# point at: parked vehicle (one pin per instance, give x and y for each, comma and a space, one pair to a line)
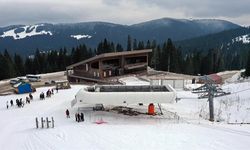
14, 81
33, 78
24, 79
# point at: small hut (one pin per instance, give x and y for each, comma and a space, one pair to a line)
64, 84
214, 77
23, 87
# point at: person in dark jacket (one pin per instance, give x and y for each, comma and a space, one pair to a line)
67, 113
82, 117
78, 117
31, 97
11, 103
7, 104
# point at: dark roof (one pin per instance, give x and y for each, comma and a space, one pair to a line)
113, 54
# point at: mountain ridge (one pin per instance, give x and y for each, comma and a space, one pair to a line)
47, 36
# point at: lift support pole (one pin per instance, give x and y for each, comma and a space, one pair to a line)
211, 101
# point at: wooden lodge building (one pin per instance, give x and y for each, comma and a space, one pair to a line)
107, 65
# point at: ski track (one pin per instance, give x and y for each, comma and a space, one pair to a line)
224, 129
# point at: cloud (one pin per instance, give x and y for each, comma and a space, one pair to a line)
119, 11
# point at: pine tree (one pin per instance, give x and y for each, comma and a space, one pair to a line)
3, 74
148, 46
19, 66
164, 57
129, 47
156, 58
28, 66
9, 65
119, 48
135, 44
140, 45
247, 73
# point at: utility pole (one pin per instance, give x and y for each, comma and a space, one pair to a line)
211, 90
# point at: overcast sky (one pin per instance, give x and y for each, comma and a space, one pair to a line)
120, 11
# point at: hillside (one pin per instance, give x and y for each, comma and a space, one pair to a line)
26, 38
234, 40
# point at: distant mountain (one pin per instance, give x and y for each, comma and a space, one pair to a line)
234, 40
26, 38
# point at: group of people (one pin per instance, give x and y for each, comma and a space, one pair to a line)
20, 102
78, 116
48, 94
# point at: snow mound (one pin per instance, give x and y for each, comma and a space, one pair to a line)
79, 36
236, 77
27, 31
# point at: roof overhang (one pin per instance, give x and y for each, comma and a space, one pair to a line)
114, 54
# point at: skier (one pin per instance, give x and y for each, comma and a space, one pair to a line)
52, 91
17, 102
21, 102
56, 89
27, 100
82, 117
11, 102
31, 97
76, 116
67, 113
7, 104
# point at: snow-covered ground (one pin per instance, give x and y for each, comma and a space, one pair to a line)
27, 31
244, 38
79, 36
191, 131
132, 80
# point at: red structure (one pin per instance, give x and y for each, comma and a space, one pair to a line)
216, 78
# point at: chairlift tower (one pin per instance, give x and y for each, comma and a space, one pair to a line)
210, 88
211, 91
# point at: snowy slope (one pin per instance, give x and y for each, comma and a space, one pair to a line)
79, 36
124, 132
245, 39
27, 31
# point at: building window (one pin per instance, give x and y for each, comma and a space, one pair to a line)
137, 59
95, 65
94, 74
97, 74
110, 73
104, 74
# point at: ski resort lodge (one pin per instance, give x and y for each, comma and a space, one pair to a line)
107, 65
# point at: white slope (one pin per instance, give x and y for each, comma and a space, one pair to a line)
28, 31
245, 39
17, 125
79, 36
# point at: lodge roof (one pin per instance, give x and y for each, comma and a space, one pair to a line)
113, 54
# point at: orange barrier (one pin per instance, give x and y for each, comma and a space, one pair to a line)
151, 109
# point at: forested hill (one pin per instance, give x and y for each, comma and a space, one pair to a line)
234, 40
25, 39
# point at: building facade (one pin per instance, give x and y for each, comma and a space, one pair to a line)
108, 65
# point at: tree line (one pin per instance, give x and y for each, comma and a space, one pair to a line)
165, 57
